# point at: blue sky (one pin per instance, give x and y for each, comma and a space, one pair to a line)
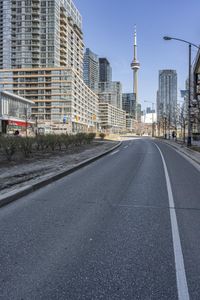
108, 27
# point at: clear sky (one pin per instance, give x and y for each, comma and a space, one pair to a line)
108, 27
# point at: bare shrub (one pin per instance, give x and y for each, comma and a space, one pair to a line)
26, 145
9, 146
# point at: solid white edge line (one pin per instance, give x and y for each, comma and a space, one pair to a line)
182, 287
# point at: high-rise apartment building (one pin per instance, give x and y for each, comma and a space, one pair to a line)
111, 92
167, 96
112, 119
41, 57
40, 33
91, 69
129, 103
105, 70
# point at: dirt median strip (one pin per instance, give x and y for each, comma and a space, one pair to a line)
48, 178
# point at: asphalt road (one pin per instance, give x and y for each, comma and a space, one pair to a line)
105, 231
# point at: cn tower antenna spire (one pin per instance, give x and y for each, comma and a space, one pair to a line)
135, 43
135, 66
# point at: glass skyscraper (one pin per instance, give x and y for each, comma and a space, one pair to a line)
91, 69
111, 92
167, 96
129, 103
105, 70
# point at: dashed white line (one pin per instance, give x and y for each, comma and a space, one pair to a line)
125, 147
182, 286
114, 152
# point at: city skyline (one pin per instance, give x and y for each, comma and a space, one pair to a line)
113, 39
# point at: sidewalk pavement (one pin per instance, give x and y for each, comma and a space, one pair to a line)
20, 180
194, 155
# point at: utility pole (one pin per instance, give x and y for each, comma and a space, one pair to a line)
189, 139
26, 119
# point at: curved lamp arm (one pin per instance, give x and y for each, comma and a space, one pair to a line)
168, 38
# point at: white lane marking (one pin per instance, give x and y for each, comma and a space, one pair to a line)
182, 286
114, 152
125, 147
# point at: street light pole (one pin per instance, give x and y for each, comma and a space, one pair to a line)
189, 139
26, 116
167, 38
152, 119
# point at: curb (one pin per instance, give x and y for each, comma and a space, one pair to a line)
183, 152
13, 195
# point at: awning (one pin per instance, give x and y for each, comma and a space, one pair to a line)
18, 123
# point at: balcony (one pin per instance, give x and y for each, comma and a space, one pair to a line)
36, 19
35, 12
35, 50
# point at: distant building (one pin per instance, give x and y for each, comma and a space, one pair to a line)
150, 110
129, 103
167, 97
111, 92
111, 118
149, 118
105, 70
91, 69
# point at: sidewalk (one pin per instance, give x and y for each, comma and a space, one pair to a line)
194, 155
21, 179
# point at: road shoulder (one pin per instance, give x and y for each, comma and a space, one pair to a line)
183, 150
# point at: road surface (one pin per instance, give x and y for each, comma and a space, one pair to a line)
125, 227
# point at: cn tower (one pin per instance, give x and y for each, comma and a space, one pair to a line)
135, 65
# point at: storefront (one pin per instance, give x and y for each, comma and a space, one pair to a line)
15, 114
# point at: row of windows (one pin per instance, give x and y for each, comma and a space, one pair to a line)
14, 108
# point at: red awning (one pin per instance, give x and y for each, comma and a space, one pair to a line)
18, 123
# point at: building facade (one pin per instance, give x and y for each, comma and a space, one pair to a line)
40, 33
111, 92
43, 61
129, 103
61, 99
111, 118
15, 113
105, 70
149, 118
167, 97
91, 69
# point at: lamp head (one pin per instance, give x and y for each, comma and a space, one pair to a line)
167, 38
